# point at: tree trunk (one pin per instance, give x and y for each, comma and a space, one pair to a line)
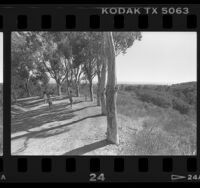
77, 80
27, 88
98, 94
68, 86
77, 90
102, 88
41, 93
58, 89
98, 84
91, 89
111, 94
13, 93
14, 96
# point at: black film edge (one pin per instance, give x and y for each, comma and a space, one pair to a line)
49, 134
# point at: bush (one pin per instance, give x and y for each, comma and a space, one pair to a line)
164, 100
155, 97
185, 91
128, 88
180, 106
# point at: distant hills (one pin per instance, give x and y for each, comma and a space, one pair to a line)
155, 83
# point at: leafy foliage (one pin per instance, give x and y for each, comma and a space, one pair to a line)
62, 56
124, 40
181, 97
180, 105
155, 97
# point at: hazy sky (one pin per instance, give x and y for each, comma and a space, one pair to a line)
160, 57
1, 57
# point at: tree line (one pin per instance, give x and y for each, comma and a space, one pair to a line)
68, 58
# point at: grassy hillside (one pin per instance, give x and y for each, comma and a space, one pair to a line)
167, 115
1, 132
1, 119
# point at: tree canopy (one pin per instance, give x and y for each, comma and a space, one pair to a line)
62, 56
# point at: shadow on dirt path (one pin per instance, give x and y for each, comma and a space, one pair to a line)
38, 130
41, 133
38, 117
87, 148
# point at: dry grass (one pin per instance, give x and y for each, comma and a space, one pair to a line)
164, 130
1, 132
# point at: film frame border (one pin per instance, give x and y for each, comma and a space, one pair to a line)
80, 168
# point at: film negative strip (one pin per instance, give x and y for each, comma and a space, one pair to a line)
99, 93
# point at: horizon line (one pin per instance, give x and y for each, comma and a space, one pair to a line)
144, 83
155, 83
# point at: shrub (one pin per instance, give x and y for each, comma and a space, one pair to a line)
128, 88
181, 106
164, 100
185, 91
155, 97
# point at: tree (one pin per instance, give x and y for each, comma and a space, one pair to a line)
99, 81
56, 56
77, 75
90, 72
98, 46
102, 78
78, 43
89, 59
25, 74
22, 63
40, 80
114, 44
111, 94
93, 64
124, 40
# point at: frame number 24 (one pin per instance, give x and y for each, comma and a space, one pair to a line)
97, 177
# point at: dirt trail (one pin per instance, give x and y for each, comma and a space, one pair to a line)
80, 130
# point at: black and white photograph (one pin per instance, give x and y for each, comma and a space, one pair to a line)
1, 93
102, 93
